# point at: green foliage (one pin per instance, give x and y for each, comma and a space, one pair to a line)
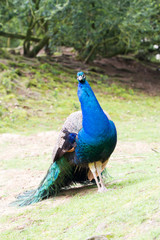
105, 28
109, 27
30, 18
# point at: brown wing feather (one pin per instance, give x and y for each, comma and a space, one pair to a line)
72, 124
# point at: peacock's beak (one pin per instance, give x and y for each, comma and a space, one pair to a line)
81, 78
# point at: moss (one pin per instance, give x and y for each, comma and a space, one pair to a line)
3, 67
45, 66
5, 54
8, 84
32, 83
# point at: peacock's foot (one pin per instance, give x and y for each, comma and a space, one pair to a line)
102, 189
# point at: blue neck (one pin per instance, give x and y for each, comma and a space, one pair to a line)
95, 123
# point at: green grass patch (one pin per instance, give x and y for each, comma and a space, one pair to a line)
38, 96
130, 208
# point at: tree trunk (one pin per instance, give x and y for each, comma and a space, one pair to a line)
32, 23
38, 47
26, 43
47, 49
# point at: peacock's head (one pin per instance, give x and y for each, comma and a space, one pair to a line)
81, 77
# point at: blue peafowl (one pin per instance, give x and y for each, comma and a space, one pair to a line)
85, 143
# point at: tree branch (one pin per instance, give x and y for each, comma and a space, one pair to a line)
18, 36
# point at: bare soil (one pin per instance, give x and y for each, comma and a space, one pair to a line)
144, 76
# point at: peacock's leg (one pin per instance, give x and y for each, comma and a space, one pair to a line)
93, 170
99, 170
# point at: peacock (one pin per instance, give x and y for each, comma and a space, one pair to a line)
85, 143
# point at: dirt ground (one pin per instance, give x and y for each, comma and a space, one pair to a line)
15, 181
127, 70
144, 76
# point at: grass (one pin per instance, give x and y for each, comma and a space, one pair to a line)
129, 210
37, 97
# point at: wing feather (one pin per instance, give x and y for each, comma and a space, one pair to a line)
73, 123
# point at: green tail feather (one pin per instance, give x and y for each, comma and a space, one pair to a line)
59, 175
